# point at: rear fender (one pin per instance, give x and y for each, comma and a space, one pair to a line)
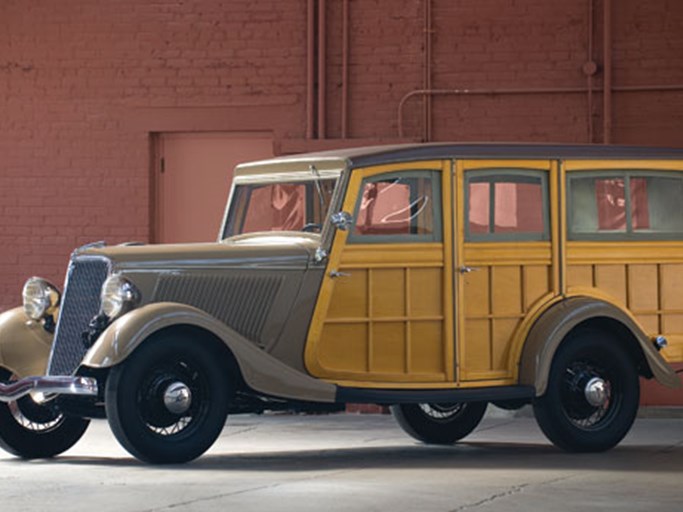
554, 324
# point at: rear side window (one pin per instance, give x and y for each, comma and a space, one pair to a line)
623, 205
506, 204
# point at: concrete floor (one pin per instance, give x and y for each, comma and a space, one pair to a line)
353, 462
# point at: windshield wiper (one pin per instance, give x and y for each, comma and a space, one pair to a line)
318, 188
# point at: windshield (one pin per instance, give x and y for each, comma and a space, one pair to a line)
279, 206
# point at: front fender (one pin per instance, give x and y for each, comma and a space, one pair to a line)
553, 326
259, 370
24, 344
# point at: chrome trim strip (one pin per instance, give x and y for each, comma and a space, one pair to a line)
287, 177
60, 385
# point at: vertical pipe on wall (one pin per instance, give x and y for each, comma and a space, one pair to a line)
427, 77
607, 84
310, 70
322, 64
345, 70
590, 70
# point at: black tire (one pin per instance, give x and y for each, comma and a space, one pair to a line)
36, 431
565, 414
135, 406
439, 423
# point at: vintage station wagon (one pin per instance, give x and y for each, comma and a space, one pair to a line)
433, 278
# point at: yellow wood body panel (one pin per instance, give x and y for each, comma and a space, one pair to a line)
404, 318
396, 301
508, 281
642, 278
656, 165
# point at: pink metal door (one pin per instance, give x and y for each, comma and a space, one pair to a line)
193, 179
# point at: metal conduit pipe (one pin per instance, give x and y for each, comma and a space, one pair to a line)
345, 70
310, 70
589, 69
427, 67
607, 75
322, 65
522, 91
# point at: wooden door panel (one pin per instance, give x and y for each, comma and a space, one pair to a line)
496, 298
503, 274
387, 319
397, 312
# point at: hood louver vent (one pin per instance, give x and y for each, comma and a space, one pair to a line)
241, 302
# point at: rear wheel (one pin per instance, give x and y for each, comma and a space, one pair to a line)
439, 423
33, 430
168, 402
592, 396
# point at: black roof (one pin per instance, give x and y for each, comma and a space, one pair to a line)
376, 155
361, 157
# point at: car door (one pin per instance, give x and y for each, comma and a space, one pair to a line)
507, 261
384, 316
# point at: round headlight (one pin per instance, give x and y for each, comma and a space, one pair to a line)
118, 294
40, 298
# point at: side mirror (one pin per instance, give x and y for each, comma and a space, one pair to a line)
341, 220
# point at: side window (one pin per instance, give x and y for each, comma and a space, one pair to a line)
506, 204
398, 207
625, 205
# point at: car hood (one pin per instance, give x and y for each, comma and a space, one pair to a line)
258, 250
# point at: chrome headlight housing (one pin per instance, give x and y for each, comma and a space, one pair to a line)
40, 297
118, 296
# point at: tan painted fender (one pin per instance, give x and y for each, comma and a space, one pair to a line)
554, 324
24, 344
260, 370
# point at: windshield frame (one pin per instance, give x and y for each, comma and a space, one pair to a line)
308, 173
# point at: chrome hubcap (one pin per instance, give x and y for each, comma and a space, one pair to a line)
178, 398
596, 392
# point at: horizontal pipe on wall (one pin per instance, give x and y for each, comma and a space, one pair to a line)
522, 91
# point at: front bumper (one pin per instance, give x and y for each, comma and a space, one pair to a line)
49, 385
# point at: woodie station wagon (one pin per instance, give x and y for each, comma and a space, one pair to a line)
433, 278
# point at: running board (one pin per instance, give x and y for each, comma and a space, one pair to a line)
402, 396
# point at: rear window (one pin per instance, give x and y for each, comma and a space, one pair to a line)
630, 204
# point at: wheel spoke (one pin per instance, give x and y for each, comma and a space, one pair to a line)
157, 417
577, 408
33, 416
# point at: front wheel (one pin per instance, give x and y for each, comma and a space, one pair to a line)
439, 423
32, 430
592, 395
168, 402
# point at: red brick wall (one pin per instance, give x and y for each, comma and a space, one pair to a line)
83, 83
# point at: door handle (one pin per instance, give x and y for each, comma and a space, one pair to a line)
467, 270
336, 273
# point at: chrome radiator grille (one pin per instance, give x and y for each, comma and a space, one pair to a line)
80, 303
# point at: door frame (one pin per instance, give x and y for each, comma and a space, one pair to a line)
362, 251
465, 377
